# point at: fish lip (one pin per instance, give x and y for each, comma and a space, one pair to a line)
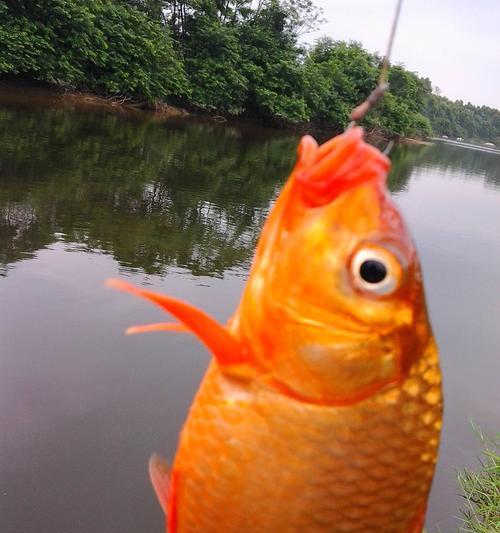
366, 333
310, 323
348, 326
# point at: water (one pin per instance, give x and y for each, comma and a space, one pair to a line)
178, 205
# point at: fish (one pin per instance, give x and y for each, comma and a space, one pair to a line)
321, 407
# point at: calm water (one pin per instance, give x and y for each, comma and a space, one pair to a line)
178, 205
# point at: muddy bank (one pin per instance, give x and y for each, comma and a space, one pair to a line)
78, 100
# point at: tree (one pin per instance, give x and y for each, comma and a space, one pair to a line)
272, 66
339, 76
456, 119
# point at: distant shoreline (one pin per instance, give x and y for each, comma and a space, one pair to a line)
468, 145
45, 94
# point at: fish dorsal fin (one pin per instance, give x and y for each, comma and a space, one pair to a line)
344, 162
159, 473
226, 349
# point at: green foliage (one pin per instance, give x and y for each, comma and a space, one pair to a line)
230, 57
401, 110
340, 76
96, 45
213, 57
276, 77
25, 45
481, 491
395, 115
456, 119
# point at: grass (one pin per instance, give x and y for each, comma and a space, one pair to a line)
481, 491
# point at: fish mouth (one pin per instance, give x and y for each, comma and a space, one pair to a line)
305, 317
344, 330
341, 323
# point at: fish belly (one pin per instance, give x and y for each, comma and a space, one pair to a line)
253, 460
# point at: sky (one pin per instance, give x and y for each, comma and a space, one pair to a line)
455, 43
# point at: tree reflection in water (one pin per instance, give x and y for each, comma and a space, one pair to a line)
152, 194
158, 194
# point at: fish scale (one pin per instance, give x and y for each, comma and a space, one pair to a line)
359, 468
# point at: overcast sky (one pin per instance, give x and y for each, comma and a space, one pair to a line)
455, 43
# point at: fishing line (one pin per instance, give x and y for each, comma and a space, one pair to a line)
385, 65
375, 96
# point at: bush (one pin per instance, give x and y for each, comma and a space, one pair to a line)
95, 45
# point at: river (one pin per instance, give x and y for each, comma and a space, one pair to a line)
177, 205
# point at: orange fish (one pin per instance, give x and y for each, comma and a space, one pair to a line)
321, 409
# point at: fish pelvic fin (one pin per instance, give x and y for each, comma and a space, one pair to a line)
417, 524
159, 474
226, 349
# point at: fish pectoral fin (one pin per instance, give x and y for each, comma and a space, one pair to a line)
160, 326
159, 473
226, 349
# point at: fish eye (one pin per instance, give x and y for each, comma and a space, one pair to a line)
375, 271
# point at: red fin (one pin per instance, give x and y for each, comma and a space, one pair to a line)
226, 349
160, 326
338, 165
307, 151
159, 473
172, 515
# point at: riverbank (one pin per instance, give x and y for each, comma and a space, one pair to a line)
36, 94
468, 145
48, 95
231, 61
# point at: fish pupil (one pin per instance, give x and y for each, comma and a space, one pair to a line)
372, 271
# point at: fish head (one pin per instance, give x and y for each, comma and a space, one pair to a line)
334, 308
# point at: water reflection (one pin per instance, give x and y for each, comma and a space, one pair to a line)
154, 195
445, 159
464, 162
191, 195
